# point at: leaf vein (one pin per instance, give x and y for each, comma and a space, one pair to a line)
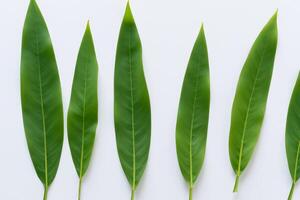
296, 163
42, 110
83, 124
191, 132
132, 111
248, 110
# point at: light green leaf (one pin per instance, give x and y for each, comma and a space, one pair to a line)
41, 97
83, 108
251, 97
292, 136
131, 103
193, 113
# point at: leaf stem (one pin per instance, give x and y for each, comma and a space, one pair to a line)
190, 193
132, 194
45, 193
236, 184
79, 187
292, 191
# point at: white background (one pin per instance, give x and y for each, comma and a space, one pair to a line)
168, 29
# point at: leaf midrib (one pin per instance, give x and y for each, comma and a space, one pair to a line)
83, 125
248, 110
42, 109
296, 164
132, 112
191, 132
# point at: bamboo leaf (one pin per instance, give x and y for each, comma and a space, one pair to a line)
251, 97
41, 97
292, 136
131, 103
193, 113
83, 108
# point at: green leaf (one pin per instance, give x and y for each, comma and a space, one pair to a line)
193, 113
41, 97
131, 103
251, 97
292, 136
83, 108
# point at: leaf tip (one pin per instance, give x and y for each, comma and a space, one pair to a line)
32, 4
274, 20
128, 14
202, 28
201, 32
88, 32
88, 26
33, 8
272, 23
275, 15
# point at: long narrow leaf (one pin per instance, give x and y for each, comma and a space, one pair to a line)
41, 97
251, 97
292, 136
131, 103
83, 108
193, 113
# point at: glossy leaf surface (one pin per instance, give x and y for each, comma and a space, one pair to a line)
131, 103
41, 97
83, 108
292, 136
251, 97
193, 113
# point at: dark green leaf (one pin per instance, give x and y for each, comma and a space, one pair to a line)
131, 103
292, 136
193, 113
41, 97
251, 97
83, 109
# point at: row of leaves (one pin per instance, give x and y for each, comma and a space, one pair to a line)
43, 111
